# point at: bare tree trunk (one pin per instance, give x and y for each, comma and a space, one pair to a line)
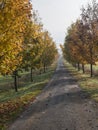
91, 69
15, 81
44, 68
75, 66
91, 65
78, 66
31, 75
83, 68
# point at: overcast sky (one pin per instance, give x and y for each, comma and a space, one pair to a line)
57, 15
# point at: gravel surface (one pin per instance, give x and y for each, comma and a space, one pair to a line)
61, 106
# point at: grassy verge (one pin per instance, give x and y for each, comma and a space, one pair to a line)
12, 103
88, 84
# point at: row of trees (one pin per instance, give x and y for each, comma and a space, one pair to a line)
81, 42
23, 41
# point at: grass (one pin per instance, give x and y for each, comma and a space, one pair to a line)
88, 84
12, 103
39, 80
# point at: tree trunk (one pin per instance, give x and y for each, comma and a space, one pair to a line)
40, 71
91, 68
91, 65
78, 67
31, 75
75, 66
83, 68
15, 81
44, 68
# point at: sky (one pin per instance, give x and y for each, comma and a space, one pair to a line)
57, 15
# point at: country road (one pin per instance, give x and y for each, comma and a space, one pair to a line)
62, 105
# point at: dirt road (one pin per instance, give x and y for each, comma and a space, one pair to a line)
61, 106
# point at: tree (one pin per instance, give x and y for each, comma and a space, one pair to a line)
33, 47
90, 21
81, 42
14, 17
49, 50
73, 45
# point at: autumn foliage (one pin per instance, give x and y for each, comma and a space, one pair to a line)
81, 42
22, 39
10, 109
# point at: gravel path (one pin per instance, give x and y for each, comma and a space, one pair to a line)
61, 106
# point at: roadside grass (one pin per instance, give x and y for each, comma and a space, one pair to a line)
88, 84
13, 103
